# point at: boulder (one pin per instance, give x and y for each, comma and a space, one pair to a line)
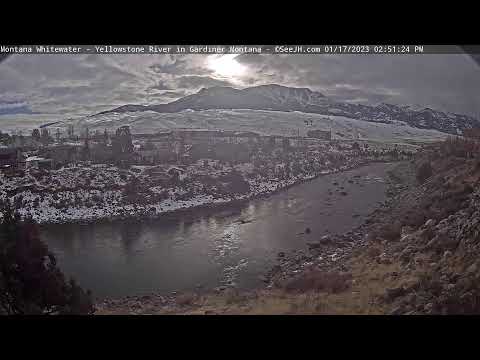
428, 308
326, 239
393, 293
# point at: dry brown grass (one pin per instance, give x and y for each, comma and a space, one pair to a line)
367, 282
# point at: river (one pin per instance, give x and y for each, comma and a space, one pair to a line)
234, 246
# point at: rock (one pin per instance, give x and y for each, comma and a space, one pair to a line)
383, 259
447, 254
281, 254
344, 193
428, 308
314, 245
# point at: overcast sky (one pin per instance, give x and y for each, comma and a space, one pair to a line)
63, 86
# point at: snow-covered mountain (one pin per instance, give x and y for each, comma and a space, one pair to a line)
265, 97
287, 99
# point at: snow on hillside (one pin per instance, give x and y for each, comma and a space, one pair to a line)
264, 122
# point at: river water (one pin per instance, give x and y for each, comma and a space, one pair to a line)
234, 246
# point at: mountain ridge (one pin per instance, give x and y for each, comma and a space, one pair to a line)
282, 98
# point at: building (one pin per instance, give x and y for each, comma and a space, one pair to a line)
37, 162
10, 157
175, 172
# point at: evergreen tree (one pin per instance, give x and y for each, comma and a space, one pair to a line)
30, 281
36, 134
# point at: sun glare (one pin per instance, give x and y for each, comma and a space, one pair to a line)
226, 65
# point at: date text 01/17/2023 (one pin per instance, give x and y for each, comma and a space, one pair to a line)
373, 49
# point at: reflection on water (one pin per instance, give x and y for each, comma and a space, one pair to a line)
232, 246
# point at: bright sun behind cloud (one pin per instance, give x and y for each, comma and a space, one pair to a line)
226, 65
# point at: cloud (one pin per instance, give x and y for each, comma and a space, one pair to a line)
69, 86
174, 66
14, 107
449, 82
195, 82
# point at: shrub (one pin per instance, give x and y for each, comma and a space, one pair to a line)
391, 231
423, 172
235, 183
315, 280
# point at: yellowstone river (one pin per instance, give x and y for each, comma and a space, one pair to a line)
234, 246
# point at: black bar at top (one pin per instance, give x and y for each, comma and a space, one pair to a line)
392, 49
